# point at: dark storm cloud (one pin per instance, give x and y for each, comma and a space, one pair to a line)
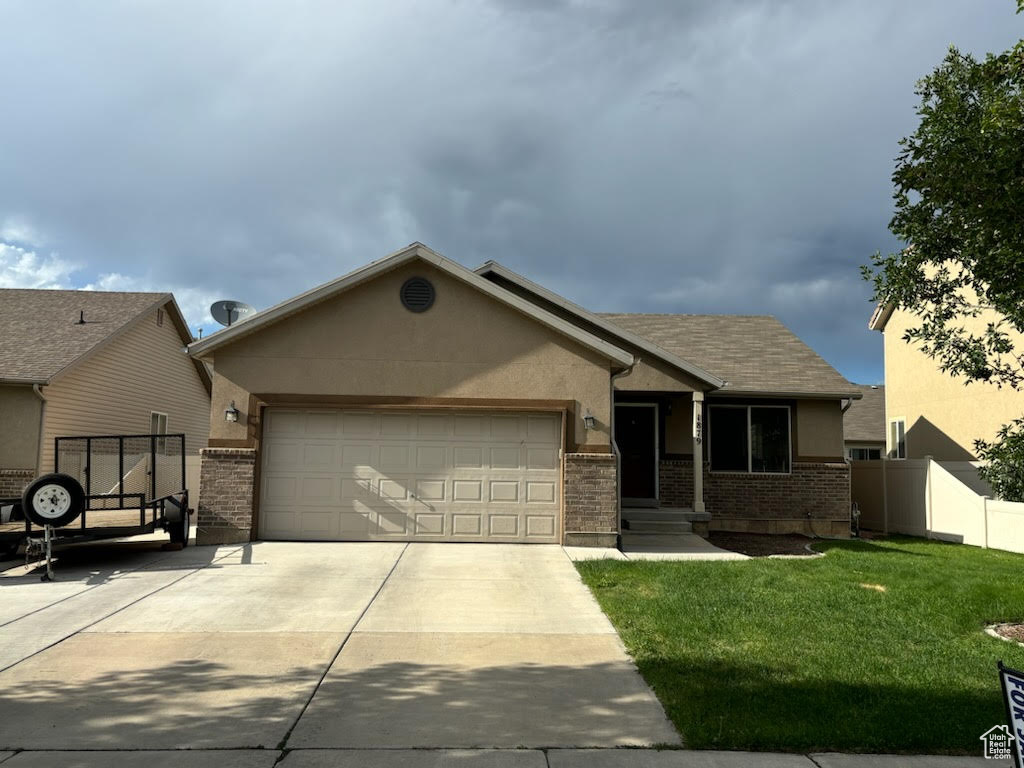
647, 156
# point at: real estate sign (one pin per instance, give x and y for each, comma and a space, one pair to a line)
1013, 694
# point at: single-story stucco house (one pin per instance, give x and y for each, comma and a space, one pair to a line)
92, 363
415, 399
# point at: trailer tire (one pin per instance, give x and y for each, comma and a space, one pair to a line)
179, 529
55, 499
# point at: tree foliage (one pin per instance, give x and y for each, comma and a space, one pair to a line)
959, 194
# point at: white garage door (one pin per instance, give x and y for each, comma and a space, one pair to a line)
352, 475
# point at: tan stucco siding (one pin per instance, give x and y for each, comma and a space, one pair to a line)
364, 343
679, 427
19, 427
819, 430
944, 415
114, 391
650, 375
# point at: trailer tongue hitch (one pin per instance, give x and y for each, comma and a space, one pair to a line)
37, 549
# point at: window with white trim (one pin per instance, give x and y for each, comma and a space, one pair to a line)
897, 439
864, 454
749, 438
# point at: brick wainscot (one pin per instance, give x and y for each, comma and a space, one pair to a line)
591, 500
227, 488
14, 481
814, 498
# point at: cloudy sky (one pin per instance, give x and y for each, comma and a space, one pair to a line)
646, 156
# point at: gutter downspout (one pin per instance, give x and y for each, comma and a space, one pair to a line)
615, 447
849, 402
42, 421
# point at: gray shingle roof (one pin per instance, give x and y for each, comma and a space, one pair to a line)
40, 334
753, 353
865, 419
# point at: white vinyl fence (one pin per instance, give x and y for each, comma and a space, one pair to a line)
937, 500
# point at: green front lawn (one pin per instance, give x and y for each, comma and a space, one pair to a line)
877, 647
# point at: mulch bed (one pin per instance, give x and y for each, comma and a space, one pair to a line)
760, 544
1011, 632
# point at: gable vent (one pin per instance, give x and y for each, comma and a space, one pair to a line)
417, 294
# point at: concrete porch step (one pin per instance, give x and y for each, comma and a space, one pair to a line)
665, 526
663, 513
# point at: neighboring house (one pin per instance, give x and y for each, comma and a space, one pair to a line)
415, 399
92, 363
864, 424
932, 413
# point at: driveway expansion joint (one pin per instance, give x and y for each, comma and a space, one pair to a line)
283, 744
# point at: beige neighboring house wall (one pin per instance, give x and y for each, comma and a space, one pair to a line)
20, 410
363, 342
943, 415
115, 390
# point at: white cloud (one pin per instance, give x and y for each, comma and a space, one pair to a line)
23, 268
17, 229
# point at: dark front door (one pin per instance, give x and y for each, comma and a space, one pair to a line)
636, 434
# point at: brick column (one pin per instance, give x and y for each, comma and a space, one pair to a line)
226, 494
591, 500
13, 482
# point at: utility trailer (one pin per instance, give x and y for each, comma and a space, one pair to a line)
102, 487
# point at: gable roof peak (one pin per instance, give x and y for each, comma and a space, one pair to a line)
414, 250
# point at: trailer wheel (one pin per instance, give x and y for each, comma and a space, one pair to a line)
179, 529
55, 499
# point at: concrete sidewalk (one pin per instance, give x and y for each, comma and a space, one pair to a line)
485, 758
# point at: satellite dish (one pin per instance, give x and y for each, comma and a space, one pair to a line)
228, 312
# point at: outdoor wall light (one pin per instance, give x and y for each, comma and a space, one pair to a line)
231, 413
589, 421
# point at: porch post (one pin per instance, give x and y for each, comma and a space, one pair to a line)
698, 452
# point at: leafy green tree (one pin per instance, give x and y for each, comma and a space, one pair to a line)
959, 193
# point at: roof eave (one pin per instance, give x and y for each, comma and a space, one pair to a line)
628, 336
880, 317
787, 394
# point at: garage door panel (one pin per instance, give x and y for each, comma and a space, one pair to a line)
363, 475
432, 457
467, 524
321, 423
360, 423
393, 490
430, 524
280, 423
540, 526
505, 526
505, 457
467, 490
505, 427
431, 490
540, 492
468, 457
393, 457
500, 491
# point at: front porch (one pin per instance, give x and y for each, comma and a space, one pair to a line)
766, 473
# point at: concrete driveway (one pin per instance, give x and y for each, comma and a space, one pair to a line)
313, 646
